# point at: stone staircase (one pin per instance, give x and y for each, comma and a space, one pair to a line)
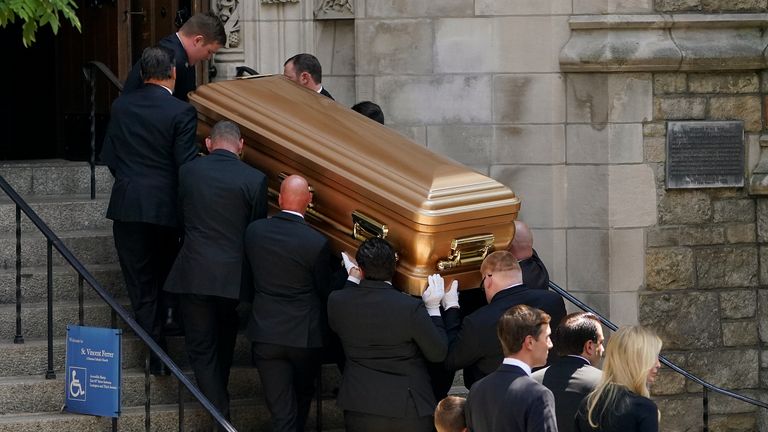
59, 192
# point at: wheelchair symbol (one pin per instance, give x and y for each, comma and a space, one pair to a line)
77, 376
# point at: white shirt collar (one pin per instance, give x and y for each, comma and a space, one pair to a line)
521, 364
294, 213
169, 90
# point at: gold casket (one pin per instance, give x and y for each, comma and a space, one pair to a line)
368, 180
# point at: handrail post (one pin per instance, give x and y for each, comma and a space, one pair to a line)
705, 408
80, 312
181, 407
50, 374
91, 77
147, 391
18, 338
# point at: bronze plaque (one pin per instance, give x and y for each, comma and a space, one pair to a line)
705, 154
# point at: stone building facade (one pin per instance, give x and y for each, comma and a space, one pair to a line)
567, 102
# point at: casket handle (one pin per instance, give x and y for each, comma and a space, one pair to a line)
467, 251
365, 227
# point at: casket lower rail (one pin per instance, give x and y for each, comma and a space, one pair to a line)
367, 179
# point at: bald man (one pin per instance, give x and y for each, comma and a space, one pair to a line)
290, 264
535, 274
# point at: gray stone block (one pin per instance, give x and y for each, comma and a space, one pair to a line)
588, 261
433, 99
469, 145
529, 98
679, 414
700, 329
738, 304
748, 82
528, 144
684, 207
394, 47
669, 268
587, 199
727, 266
92, 247
731, 368
741, 333
408, 8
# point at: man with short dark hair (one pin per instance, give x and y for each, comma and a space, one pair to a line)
476, 349
197, 40
579, 342
305, 70
290, 264
509, 400
219, 196
370, 110
150, 135
388, 337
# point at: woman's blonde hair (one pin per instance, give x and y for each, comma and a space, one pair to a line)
631, 353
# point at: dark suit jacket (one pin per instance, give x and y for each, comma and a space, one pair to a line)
535, 274
629, 412
508, 400
476, 349
150, 135
186, 80
388, 337
219, 195
290, 267
325, 93
570, 379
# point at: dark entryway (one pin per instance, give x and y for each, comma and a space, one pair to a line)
45, 105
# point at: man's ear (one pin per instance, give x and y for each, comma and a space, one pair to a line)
208, 144
240, 146
198, 40
528, 342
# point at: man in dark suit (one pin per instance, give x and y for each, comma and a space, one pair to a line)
290, 262
219, 196
151, 134
579, 342
388, 337
535, 274
509, 400
476, 349
197, 40
305, 70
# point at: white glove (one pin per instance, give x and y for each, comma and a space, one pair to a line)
353, 271
433, 294
348, 263
451, 297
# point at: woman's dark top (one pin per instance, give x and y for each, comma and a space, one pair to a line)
629, 413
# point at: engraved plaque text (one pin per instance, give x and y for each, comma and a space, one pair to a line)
705, 154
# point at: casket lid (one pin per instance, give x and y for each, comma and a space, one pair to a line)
361, 154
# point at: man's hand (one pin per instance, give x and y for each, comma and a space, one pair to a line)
433, 294
451, 297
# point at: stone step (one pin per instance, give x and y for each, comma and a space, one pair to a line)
34, 283
54, 177
88, 246
30, 358
25, 394
60, 212
248, 415
34, 318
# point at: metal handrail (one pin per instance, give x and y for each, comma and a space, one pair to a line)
665, 361
117, 309
89, 70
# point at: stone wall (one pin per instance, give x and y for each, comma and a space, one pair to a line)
703, 259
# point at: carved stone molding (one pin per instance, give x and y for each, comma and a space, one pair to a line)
758, 180
278, 1
229, 13
334, 9
658, 42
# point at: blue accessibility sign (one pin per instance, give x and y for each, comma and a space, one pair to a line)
93, 372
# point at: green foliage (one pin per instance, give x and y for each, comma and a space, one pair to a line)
37, 13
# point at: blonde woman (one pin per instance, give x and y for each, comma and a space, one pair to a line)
621, 403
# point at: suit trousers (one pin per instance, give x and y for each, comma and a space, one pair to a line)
210, 332
146, 252
288, 378
355, 421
